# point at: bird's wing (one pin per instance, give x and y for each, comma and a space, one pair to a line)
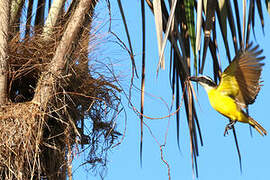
241, 79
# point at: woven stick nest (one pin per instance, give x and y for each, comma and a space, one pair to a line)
38, 143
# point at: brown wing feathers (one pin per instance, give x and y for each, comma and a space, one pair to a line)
248, 73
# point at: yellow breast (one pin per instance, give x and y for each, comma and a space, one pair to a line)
226, 106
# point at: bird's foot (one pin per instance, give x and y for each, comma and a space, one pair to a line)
229, 126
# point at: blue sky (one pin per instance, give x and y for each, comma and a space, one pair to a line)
218, 157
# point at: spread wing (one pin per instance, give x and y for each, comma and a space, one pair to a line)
241, 79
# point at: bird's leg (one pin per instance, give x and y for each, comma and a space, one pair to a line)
229, 126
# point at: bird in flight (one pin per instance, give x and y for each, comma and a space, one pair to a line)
238, 87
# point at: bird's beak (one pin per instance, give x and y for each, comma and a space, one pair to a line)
194, 78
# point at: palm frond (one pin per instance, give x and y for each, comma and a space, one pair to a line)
176, 24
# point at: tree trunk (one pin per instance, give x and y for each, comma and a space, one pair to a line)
52, 18
45, 85
4, 17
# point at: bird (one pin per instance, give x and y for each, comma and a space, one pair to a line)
238, 87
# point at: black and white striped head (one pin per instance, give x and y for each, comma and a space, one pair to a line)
204, 81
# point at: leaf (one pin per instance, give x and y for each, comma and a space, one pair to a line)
223, 28
250, 17
176, 74
244, 20
210, 19
143, 76
198, 25
189, 11
168, 27
223, 16
236, 10
267, 3
216, 69
205, 6
134, 69
237, 148
232, 25
259, 8
159, 28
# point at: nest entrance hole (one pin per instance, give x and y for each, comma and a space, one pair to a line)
22, 89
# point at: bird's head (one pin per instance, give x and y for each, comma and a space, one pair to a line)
204, 81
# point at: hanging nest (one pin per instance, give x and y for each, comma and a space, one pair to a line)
39, 143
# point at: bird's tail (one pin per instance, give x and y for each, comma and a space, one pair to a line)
257, 126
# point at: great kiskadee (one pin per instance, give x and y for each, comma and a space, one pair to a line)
238, 87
